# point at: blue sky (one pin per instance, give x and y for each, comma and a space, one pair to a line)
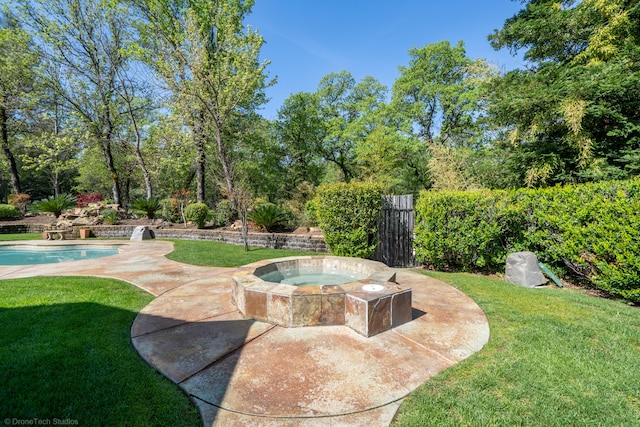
308, 39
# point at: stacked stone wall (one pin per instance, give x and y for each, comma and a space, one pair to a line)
302, 242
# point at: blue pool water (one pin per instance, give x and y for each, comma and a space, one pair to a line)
27, 255
311, 276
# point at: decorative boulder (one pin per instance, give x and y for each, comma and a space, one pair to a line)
522, 269
142, 233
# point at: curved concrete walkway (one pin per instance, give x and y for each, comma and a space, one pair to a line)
243, 372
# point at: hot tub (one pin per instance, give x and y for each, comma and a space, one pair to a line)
323, 290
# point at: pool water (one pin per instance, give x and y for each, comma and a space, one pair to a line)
311, 276
28, 255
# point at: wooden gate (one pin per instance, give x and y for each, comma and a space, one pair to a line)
395, 232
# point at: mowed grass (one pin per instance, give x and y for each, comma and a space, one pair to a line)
556, 357
216, 254
66, 354
22, 236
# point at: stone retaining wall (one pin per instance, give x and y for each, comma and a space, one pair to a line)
302, 242
20, 228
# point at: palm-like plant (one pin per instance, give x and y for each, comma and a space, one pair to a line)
267, 216
55, 204
149, 207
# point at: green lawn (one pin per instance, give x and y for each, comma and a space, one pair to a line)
215, 254
556, 357
66, 353
22, 236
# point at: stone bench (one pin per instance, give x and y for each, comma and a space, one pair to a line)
52, 234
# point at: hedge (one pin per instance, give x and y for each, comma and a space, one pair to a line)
348, 215
588, 232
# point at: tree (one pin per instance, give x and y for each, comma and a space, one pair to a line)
211, 64
298, 129
439, 95
86, 39
52, 155
346, 109
573, 114
18, 60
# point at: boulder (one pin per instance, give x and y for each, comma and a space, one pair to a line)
522, 269
142, 233
82, 220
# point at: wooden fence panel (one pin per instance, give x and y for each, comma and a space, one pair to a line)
395, 229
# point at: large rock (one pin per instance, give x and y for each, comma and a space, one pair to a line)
522, 269
142, 233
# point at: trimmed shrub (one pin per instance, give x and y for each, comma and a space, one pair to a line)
267, 216
55, 204
348, 215
587, 232
9, 212
198, 213
465, 230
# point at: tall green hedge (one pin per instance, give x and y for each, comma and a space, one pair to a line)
588, 231
348, 216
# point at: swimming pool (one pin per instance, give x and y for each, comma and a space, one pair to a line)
33, 254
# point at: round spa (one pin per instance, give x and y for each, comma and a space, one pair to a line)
323, 290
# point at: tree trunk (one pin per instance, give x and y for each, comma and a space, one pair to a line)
226, 167
115, 182
13, 168
199, 140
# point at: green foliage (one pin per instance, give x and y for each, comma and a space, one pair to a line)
20, 201
109, 216
55, 204
587, 231
590, 231
9, 212
348, 215
267, 216
224, 213
464, 230
149, 207
572, 115
311, 213
198, 213
172, 208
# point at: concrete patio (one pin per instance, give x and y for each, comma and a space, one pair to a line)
243, 372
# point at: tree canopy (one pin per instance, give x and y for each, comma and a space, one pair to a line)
160, 98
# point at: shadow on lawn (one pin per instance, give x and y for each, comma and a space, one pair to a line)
75, 362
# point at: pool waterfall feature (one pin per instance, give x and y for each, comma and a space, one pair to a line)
358, 293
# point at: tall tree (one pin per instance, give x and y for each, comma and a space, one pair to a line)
86, 39
298, 129
211, 63
18, 60
439, 100
346, 108
573, 114
439, 95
